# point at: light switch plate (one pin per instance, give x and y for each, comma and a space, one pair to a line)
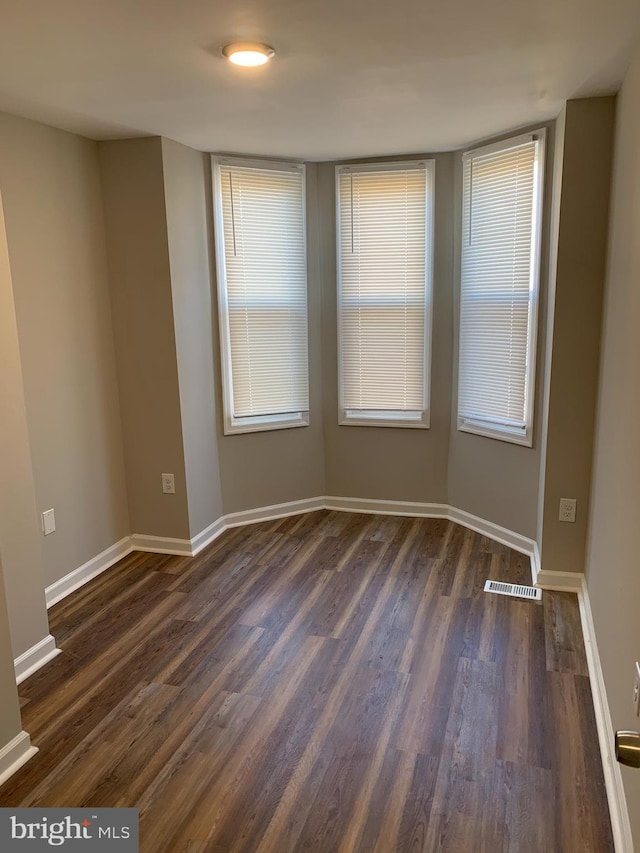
48, 522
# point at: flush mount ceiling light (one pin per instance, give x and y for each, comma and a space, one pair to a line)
248, 53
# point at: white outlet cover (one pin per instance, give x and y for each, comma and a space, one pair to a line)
636, 689
48, 522
567, 509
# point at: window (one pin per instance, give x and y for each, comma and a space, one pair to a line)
501, 210
385, 238
262, 293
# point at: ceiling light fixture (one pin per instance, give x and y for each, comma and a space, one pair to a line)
248, 53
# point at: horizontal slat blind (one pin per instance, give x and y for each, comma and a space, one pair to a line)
383, 279
500, 195
266, 289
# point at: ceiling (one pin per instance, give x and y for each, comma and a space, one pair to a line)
351, 77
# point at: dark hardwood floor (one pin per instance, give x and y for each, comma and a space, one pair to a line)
329, 682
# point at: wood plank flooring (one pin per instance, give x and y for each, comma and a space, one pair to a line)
327, 682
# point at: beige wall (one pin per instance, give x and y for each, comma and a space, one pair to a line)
53, 207
19, 531
266, 468
10, 723
185, 178
143, 323
613, 554
497, 480
577, 317
547, 321
386, 462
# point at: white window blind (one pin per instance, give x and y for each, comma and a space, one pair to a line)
385, 223
261, 253
502, 193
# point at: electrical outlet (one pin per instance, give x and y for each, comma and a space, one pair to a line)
636, 689
48, 522
567, 509
168, 484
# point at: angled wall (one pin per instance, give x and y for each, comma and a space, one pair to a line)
19, 530
613, 549
13, 747
577, 317
143, 325
185, 179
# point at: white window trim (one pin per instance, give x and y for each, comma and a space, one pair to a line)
507, 433
372, 418
513, 435
257, 423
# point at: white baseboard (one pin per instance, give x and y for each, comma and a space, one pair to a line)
161, 545
190, 547
207, 536
560, 581
14, 754
380, 507
269, 513
618, 810
434, 510
493, 531
91, 569
30, 661
535, 563
557, 581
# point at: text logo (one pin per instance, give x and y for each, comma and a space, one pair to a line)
85, 830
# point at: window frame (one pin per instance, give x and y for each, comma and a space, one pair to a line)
233, 425
490, 428
383, 418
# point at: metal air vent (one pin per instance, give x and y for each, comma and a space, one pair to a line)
512, 589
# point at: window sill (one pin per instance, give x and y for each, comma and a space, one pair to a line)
414, 420
512, 436
234, 426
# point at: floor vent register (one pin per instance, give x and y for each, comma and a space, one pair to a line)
513, 589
